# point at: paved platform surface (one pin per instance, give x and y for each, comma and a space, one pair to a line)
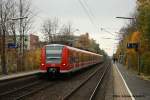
138, 87
16, 75
121, 90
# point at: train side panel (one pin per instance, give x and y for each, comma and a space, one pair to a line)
43, 59
65, 62
79, 59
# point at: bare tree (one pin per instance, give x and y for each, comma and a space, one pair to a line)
49, 28
55, 25
10, 12
67, 29
26, 16
12, 24
67, 32
6, 7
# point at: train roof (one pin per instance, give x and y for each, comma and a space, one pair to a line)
73, 48
55, 45
83, 51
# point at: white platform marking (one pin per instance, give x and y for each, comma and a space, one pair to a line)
132, 97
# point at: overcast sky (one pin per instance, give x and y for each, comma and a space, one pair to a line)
102, 12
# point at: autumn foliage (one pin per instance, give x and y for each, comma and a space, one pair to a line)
31, 61
141, 23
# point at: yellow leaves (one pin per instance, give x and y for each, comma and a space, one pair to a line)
135, 37
32, 59
83, 41
143, 3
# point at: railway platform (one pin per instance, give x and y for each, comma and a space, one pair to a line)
126, 85
121, 90
132, 85
18, 75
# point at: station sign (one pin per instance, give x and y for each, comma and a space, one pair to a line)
132, 45
12, 45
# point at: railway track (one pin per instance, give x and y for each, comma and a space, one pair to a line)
35, 91
20, 88
92, 95
12, 84
27, 90
23, 90
34, 88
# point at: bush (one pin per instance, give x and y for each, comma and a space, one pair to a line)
145, 63
132, 60
11, 59
32, 60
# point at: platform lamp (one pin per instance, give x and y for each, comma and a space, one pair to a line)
139, 42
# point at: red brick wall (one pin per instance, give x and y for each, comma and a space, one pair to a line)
34, 42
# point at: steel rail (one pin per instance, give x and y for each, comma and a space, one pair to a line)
34, 91
74, 90
20, 88
26, 88
98, 84
41, 88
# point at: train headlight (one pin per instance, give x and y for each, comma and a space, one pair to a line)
64, 64
42, 64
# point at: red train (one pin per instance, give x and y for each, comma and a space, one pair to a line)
57, 58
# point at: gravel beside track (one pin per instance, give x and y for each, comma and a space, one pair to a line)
33, 88
89, 89
81, 92
102, 89
65, 86
9, 85
11, 89
26, 90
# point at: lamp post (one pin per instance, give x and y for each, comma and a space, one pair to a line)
139, 43
126, 18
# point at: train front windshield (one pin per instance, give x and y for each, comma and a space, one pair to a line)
53, 54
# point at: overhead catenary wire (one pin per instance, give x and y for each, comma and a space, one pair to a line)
103, 29
93, 16
87, 13
89, 9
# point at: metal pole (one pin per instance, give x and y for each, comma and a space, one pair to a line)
139, 67
20, 31
138, 52
3, 58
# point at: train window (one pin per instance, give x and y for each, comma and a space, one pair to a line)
70, 56
71, 60
75, 57
83, 57
79, 57
54, 47
53, 54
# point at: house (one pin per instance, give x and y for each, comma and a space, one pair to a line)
33, 42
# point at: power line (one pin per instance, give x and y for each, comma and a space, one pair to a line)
103, 29
90, 10
87, 12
